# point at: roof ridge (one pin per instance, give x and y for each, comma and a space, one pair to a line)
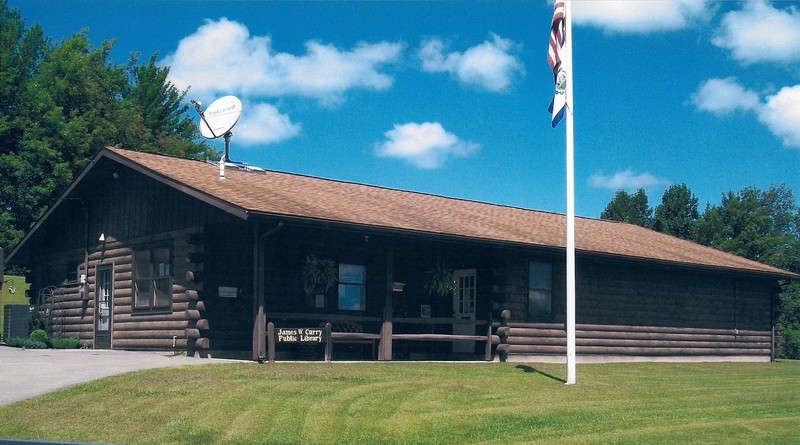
374, 186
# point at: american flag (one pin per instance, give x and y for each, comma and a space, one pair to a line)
557, 36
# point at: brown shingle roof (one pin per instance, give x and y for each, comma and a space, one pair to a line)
298, 196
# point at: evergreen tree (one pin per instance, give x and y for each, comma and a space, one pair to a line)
629, 208
162, 122
755, 224
677, 214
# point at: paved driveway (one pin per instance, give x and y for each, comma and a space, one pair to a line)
31, 372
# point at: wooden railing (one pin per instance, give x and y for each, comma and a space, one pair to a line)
339, 330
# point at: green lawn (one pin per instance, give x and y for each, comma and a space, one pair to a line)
399, 403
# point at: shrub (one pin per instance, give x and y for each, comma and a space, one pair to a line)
38, 335
16, 342
791, 343
33, 344
41, 320
65, 343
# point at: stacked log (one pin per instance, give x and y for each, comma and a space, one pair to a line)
196, 343
543, 339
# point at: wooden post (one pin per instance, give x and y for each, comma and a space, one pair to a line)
385, 347
488, 351
503, 348
259, 286
271, 342
328, 342
259, 317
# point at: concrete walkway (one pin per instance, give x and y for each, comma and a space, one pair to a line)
32, 372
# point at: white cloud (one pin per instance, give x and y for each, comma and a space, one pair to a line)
761, 33
222, 57
722, 96
426, 145
262, 123
638, 16
625, 180
780, 112
489, 65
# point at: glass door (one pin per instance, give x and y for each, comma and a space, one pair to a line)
464, 309
103, 307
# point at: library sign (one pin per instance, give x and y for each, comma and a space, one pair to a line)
300, 335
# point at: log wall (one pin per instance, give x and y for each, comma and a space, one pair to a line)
132, 212
71, 305
625, 311
594, 342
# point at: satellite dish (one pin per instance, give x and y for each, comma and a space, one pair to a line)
220, 117
217, 121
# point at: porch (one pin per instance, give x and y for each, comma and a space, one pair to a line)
375, 297
329, 337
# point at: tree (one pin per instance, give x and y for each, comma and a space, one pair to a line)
789, 309
68, 113
61, 103
750, 223
677, 213
629, 208
159, 116
20, 51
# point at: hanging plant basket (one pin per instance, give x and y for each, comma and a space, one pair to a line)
319, 275
440, 281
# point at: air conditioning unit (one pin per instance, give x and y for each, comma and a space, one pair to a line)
16, 320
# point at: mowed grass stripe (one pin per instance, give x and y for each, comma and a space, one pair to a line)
425, 403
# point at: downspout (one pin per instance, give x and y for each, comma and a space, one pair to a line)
735, 321
772, 327
259, 316
83, 291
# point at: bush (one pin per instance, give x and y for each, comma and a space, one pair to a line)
38, 335
33, 344
16, 342
65, 343
791, 343
41, 320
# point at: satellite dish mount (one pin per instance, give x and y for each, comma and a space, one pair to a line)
217, 121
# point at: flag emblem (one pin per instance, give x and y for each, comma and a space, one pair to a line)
557, 64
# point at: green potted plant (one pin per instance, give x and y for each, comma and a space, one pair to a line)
319, 275
440, 281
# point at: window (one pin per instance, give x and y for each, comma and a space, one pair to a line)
152, 278
72, 271
352, 287
540, 289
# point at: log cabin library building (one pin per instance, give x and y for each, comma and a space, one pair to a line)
150, 252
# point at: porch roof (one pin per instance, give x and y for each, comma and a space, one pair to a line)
245, 194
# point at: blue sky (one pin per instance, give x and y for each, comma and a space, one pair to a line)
450, 97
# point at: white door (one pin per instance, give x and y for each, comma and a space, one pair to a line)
464, 308
104, 302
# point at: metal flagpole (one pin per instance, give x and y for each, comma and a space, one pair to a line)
570, 199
